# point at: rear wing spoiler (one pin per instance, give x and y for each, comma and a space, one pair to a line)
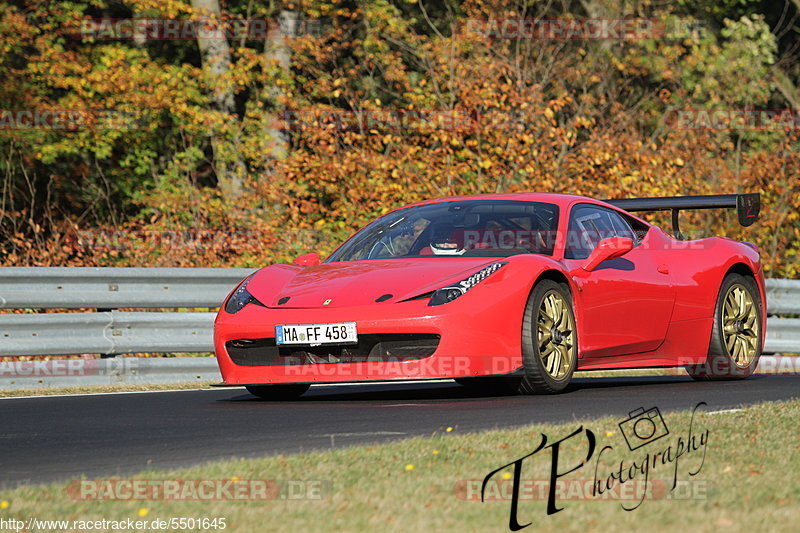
747, 205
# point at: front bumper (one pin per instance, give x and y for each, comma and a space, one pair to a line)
476, 337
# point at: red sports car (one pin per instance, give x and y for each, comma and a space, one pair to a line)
508, 290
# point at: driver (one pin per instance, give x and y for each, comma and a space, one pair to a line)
442, 242
408, 234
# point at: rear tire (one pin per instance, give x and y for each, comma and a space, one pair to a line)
277, 392
736, 335
549, 339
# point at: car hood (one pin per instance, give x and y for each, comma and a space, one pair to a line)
357, 282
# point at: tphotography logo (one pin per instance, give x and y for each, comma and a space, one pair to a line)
643, 427
628, 481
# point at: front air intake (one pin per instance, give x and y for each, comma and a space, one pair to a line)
375, 347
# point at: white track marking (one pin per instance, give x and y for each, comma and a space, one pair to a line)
724, 411
361, 434
314, 385
99, 393
365, 383
333, 436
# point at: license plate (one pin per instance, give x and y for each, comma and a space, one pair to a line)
315, 334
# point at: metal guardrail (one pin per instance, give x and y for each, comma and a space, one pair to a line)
110, 371
109, 333
783, 297
783, 335
115, 288
113, 332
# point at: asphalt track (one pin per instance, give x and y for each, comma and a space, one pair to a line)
60, 438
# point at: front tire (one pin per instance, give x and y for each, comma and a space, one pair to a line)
549, 339
277, 392
736, 335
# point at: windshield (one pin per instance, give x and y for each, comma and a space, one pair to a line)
469, 228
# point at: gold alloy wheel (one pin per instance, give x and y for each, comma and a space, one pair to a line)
740, 325
555, 335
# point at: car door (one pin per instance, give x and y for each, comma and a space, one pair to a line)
623, 306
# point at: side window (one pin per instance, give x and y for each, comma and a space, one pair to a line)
621, 226
588, 225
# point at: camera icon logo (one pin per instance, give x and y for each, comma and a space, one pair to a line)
643, 427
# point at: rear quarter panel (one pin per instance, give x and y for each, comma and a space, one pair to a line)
698, 268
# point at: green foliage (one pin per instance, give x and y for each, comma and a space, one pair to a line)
586, 117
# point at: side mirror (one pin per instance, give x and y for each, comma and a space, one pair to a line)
307, 259
607, 249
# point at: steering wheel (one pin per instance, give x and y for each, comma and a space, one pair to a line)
386, 245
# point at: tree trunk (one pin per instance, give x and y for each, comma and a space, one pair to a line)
215, 55
786, 86
276, 50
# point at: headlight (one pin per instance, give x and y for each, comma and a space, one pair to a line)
451, 292
240, 298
